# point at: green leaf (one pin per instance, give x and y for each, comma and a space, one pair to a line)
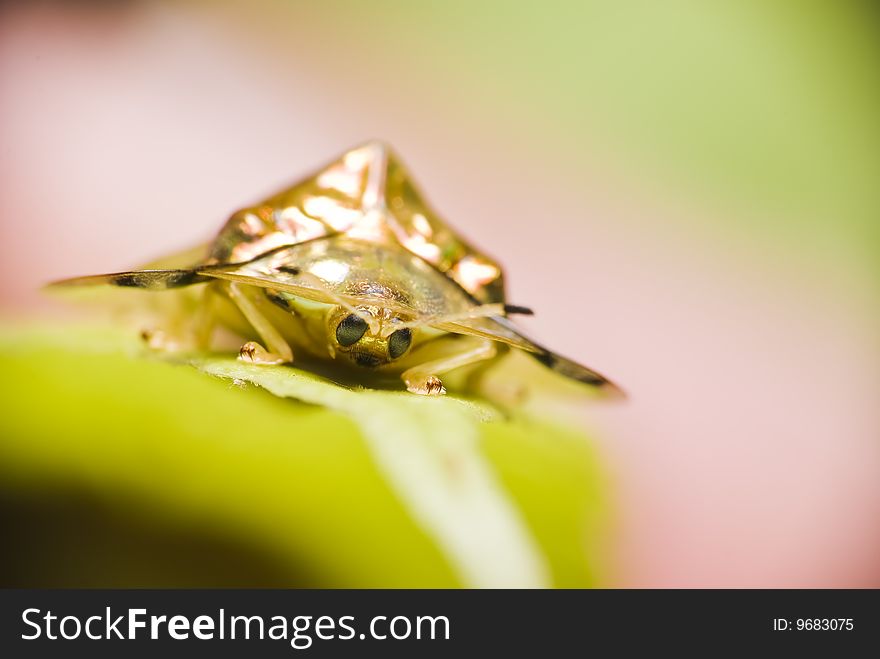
121, 469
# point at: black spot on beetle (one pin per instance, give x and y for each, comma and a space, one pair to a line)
367, 360
126, 280
350, 330
158, 280
399, 342
278, 300
182, 278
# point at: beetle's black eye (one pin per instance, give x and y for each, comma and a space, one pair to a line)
398, 342
350, 330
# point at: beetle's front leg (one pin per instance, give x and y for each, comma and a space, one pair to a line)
184, 338
422, 378
279, 351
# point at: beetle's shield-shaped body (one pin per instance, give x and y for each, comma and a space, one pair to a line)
358, 232
368, 195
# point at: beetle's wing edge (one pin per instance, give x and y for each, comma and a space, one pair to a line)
154, 280
498, 328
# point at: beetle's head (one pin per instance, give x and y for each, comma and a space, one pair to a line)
368, 338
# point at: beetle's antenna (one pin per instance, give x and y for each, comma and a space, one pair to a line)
511, 309
478, 311
317, 282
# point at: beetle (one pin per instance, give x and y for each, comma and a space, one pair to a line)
351, 264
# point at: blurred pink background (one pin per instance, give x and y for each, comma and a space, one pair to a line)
748, 454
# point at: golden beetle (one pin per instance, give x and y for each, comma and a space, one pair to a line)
351, 265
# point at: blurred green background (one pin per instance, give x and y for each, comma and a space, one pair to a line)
686, 192
765, 109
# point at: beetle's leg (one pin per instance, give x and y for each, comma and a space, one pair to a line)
160, 341
422, 378
206, 318
188, 336
506, 394
279, 351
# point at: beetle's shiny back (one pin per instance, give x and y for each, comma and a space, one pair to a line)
367, 193
368, 272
